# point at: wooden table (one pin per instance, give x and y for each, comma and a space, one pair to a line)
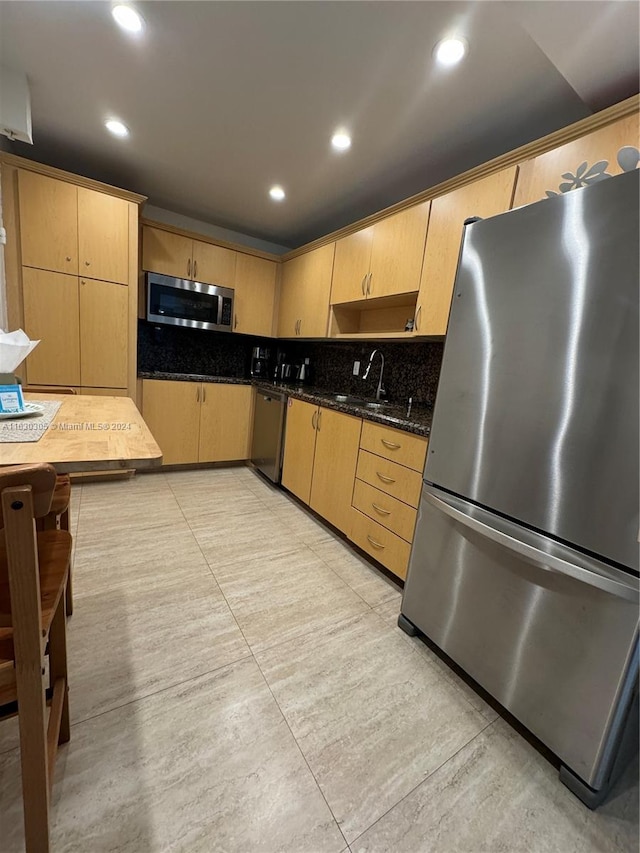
89, 434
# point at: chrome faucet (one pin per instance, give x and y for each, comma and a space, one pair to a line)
380, 392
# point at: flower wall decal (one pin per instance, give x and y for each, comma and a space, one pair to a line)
628, 160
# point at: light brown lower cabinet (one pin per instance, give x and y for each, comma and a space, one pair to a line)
383, 545
320, 457
226, 418
198, 421
334, 467
299, 448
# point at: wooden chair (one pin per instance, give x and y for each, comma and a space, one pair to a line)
33, 574
58, 517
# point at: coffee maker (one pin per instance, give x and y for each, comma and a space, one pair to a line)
260, 362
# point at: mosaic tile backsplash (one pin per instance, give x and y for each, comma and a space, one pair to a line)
411, 369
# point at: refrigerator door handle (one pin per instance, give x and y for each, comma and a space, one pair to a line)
543, 560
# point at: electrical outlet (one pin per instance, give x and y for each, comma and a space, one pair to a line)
356, 368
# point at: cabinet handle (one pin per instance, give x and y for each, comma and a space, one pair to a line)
319, 419
418, 312
197, 393
390, 444
375, 544
369, 288
68, 258
385, 479
195, 269
235, 321
189, 268
204, 394
380, 509
314, 418
364, 278
299, 327
87, 263
296, 330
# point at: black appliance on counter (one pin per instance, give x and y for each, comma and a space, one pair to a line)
260, 363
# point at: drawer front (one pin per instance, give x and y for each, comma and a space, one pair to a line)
384, 546
402, 447
387, 511
389, 477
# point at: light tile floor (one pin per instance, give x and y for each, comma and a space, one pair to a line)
239, 684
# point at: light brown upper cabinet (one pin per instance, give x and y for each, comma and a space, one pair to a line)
382, 260
103, 236
48, 223
166, 252
608, 151
304, 297
52, 316
255, 293
104, 310
181, 257
65, 228
487, 197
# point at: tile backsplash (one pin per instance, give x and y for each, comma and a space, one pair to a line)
411, 369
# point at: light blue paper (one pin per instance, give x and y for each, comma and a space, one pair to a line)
11, 399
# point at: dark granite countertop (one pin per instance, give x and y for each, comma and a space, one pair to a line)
417, 421
194, 377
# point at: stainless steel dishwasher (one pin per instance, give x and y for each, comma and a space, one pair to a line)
268, 433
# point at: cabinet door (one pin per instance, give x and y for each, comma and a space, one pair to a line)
171, 410
255, 293
299, 448
315, 291
608, 151
397, 252
51, 315
334, 467
351, 267
103, 333
487, 197
226, 418
166, 253
213, 264
103, 236
290, 310
48, 223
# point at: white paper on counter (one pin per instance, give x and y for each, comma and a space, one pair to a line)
14, 348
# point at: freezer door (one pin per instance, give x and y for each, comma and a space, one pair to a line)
547, 631
537, 409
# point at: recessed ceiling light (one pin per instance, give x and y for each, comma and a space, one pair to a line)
450, 51
127, 18
341, 140
117, 128
277, 193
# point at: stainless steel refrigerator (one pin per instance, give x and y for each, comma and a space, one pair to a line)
524, 568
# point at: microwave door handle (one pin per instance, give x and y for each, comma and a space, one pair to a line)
220, 300
533, 555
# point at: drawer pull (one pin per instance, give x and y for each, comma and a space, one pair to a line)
375, 544
380, 510
390, 444
385, 479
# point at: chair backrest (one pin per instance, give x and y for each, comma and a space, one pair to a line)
20, 485
41, 478
46, 389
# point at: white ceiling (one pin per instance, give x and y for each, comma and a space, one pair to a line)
225, 99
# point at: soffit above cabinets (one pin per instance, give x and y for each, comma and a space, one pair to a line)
225, 99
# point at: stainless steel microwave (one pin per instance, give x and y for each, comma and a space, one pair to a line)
180, 302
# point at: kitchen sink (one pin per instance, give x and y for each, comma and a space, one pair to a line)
358, 401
